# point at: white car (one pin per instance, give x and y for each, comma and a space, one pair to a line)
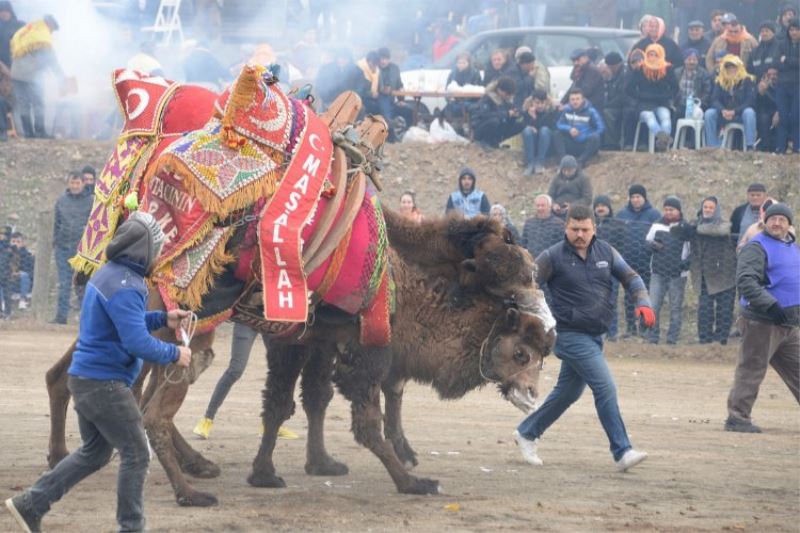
552, 46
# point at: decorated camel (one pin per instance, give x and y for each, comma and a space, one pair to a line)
262, 206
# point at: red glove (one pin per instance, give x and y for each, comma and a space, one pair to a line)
647, 315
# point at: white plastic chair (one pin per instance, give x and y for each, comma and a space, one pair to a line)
680, 133
651, 138
168, 20
728, 134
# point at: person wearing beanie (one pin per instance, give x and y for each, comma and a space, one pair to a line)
586, 77
468, 199
638, 215
113, 340
787, 90
613, 71
693, 82
669, 268
766, 54
768, 280
713, 269
539, 72
788, 12
696, 39
570, 186
748, 213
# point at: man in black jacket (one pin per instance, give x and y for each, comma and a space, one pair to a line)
578, 271
71, 213
767, 275
614, 99
696, 38
748, 213
16, 273
767, 54
586, 77
389, 82
494, 117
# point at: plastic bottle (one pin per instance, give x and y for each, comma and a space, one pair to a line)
689, 107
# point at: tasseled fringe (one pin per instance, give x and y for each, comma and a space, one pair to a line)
84, 265
209, 323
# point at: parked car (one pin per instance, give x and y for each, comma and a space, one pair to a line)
552, 46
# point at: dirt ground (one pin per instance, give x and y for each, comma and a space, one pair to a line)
698, 477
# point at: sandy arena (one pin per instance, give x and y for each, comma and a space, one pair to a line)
698, 477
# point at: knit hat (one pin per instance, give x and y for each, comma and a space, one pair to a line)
674, 202
771, 26
794, 23
756, 187
578, 52
601, 199
691, 52
613, 58
637, 189
696, 24
567, 161
779, 209
139, 240
89, 169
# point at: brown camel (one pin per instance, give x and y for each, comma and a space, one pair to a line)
467, 311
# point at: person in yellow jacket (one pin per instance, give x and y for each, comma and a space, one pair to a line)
32, 56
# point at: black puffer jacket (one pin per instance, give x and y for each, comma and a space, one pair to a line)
651, 94
71, 213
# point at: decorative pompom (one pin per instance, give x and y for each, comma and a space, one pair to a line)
131, 202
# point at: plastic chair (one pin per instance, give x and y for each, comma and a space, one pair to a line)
651, 138
168, 20
728, 134
680, 133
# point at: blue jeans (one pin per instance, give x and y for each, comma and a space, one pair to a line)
536, 145
714, 120
25, 284
582, 363
108, 418
660, 287
657, 120
788, 100
241, 345
64, 281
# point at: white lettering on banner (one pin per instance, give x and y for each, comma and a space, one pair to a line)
283, 280
291, 204
285, 299
278, 261
164, 219
311, 165
170, 194
302, 184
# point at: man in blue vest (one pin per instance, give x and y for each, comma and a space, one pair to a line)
768, 278
468, 199
578, 272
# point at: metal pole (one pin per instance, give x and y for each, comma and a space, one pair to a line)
41, 276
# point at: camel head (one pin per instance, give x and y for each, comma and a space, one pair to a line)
513, 355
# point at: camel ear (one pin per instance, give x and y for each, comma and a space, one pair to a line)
512, 319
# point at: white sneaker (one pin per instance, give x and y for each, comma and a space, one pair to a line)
23, 304
528, 449
630, 459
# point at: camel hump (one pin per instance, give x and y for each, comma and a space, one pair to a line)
141, 99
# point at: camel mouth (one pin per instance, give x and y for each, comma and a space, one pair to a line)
523, 398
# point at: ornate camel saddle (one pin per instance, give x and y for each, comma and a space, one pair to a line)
257, 201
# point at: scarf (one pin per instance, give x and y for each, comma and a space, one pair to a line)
729, 82
30, 38
655, 68
739, 39
371, 76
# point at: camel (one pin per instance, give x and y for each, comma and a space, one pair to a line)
455, 327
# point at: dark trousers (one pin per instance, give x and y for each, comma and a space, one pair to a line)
788, 99
108, 418
715, 315
630, 308
763, 345
765, 132
564, 144
64, 281
5, 109
494, 129
612, 137
630, 117
30, 105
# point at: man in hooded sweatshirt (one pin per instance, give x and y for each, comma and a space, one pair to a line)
468, 199
669, 268
768, 277
638, 216
570, 186
113, 340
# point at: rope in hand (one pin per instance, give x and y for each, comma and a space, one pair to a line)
186, 335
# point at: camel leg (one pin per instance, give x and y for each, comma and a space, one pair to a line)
159, 412
393, 422
56, 380
285, 363
360, 383
317, 391
191, 461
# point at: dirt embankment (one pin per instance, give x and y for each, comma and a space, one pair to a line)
32, 173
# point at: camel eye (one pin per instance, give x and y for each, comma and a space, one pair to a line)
521, 357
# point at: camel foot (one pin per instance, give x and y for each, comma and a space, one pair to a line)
55, 456
422, 486
267, 481
327, 467
201, 468
195, 498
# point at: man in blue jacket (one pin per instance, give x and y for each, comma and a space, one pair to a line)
578, 271
580, 129
114, 337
